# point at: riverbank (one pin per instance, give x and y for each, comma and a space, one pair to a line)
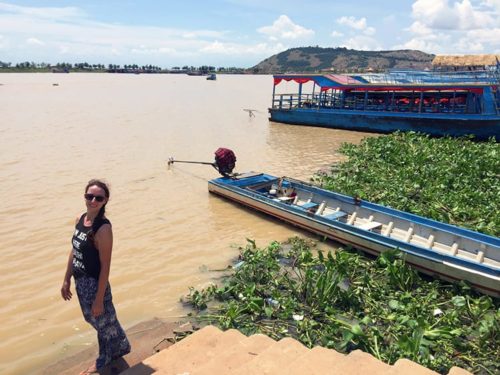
146, 339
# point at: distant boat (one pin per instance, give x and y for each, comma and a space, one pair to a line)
454, 103
212, 77
435, 248
194, 73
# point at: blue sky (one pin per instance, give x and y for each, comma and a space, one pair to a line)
237, 32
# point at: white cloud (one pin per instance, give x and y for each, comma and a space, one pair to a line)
420, 44
4, 43
356, 24
144, 50
369, 31
220, 48
45, 12
455, 26
358, 34
284, 28
469, 45
34, 42
486, 36
69, 34
264, 49
495, 4
419, 28
362, 42
461, 15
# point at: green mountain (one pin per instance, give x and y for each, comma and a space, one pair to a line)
317, 59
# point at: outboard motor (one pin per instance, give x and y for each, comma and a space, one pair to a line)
225, 161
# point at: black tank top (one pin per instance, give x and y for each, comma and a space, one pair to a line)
85, 255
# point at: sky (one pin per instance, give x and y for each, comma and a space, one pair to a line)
237, 33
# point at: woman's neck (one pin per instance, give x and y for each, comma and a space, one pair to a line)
91, 215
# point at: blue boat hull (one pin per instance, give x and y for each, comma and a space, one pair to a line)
481, 126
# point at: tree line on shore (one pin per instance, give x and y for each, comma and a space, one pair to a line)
65, 67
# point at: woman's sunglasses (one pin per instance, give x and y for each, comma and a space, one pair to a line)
98, 198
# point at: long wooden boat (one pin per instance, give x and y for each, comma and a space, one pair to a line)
446, 251
445, 104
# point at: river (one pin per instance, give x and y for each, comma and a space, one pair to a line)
60, 130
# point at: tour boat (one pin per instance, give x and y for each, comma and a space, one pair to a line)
437, 104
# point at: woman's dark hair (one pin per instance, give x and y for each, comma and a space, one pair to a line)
100, 214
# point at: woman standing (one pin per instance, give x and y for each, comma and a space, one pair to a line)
89, 263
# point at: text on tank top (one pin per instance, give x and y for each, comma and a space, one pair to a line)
85, 255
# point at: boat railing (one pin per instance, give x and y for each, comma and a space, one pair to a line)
290, 101
438, 102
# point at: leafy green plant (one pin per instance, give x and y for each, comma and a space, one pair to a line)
345, 301
454, 180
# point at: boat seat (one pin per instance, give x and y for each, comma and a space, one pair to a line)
370, 225
336, 215
309, 205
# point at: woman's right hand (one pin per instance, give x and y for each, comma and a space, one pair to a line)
65, 290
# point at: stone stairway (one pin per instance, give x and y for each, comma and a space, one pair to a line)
212, 351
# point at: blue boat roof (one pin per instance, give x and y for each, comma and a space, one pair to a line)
397, 80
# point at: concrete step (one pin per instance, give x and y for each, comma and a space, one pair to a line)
458, 371
405, 366
189, 353
211, 351
359, 362
199, 354
232, 357
273, 359
316, 361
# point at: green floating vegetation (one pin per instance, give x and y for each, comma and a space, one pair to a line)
346, 301
454, 180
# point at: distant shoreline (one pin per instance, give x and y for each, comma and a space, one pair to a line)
124, 71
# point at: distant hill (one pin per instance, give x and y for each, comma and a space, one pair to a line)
317, 59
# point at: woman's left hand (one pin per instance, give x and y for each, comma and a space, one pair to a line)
97, 308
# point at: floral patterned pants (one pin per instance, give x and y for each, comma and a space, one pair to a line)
113, 342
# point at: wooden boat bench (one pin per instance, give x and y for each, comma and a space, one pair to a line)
336, 215
370, 225
286, 199
308, 206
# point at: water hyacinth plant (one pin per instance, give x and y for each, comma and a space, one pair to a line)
454, 180
346, 301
